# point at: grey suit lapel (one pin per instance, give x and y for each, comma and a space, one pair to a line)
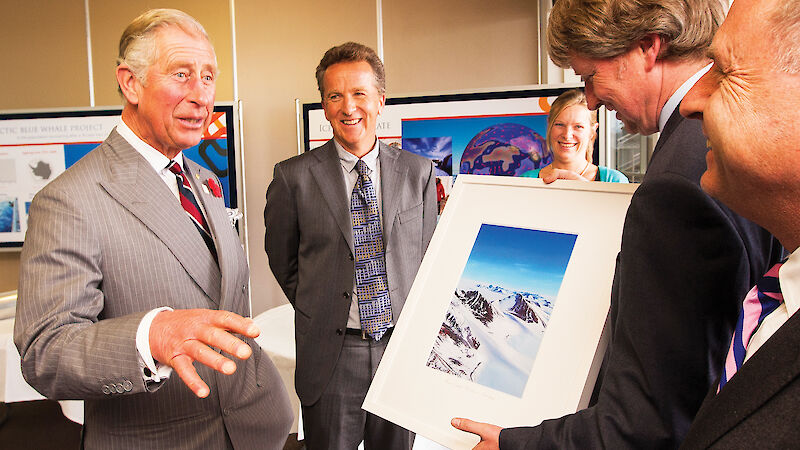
327, 174
219, 224
392, 176
771, 368
139, 189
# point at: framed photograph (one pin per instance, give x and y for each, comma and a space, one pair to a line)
504, 323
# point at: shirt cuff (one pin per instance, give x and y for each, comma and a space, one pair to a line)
153, 371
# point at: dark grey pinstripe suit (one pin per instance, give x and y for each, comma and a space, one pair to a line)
107, 241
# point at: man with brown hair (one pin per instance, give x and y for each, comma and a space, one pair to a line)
347, 226
686, 260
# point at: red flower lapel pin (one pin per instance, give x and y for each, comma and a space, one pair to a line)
214, 187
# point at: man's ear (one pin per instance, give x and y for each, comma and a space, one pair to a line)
382, 104
651, 46
128, 84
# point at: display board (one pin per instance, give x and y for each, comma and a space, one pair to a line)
37, 146
489, 133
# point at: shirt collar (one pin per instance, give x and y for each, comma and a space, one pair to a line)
677, 96
349, 160
789, 276
154, 157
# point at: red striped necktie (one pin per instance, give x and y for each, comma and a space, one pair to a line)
763, 299
190, 205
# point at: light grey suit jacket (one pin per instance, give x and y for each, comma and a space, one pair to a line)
107, 241
309, 242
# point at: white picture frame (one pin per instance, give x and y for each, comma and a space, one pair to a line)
423, 399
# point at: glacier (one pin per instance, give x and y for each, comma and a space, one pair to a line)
490, 335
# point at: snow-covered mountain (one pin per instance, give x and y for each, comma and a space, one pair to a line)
491, 335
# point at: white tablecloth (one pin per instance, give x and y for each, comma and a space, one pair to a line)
277, 339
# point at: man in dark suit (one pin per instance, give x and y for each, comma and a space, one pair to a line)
335, 276
685, 261
120, 285
753, 166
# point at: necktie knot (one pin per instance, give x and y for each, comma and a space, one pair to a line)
363, 169
175, 168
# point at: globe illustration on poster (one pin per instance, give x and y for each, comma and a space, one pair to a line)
505, 149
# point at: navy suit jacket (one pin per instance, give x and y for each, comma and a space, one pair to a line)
758, 407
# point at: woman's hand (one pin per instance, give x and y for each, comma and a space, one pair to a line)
560, 174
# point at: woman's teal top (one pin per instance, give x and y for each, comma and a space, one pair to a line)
603, 174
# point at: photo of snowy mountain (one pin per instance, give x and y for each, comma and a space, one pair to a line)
501, 306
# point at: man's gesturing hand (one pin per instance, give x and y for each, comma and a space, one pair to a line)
177, 338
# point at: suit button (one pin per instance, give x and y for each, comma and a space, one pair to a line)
346, 295
350, 256
244, 289
127, 385
119, 388
106, 390
339, 331
226, 411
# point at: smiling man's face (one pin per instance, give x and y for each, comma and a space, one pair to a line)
352, 103
746, 104
621, 84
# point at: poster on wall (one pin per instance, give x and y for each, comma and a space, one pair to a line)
490, 133
503, 293
36, 147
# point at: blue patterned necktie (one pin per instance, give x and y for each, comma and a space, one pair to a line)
372, 289
763, 299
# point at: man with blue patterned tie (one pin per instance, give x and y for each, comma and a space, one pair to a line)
347, 225
753, 162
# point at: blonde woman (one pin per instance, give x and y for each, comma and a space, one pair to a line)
571, 132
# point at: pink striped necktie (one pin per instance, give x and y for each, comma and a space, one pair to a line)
764, 298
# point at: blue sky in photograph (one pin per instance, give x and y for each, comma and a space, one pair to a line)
429, 147
520, 259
